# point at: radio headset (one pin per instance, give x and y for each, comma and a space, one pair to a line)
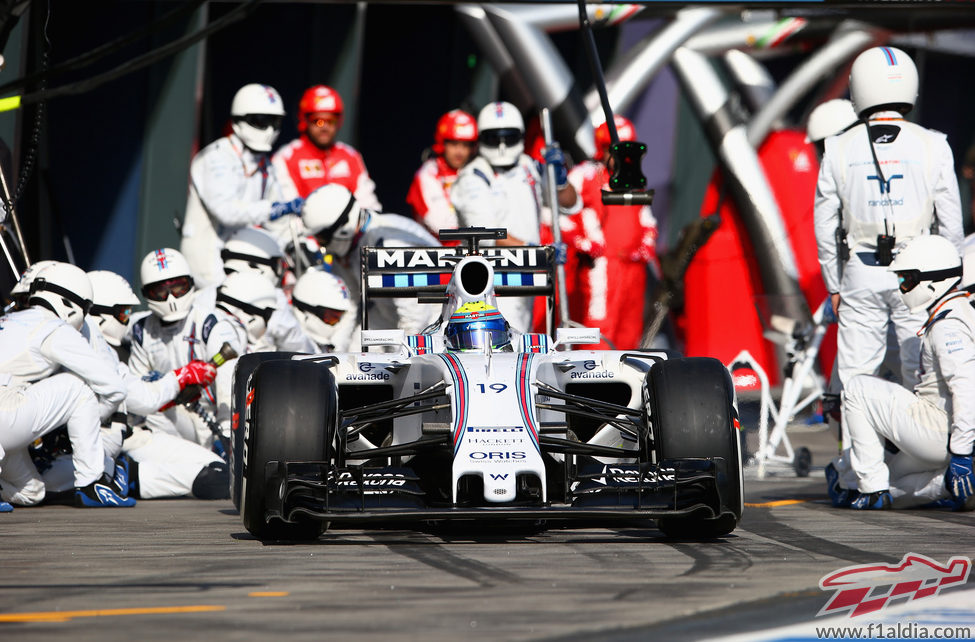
885, 241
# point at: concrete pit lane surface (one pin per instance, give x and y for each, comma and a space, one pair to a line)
187, 569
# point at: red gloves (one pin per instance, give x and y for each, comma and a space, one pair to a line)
198, 373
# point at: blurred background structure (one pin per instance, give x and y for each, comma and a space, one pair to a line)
116, 97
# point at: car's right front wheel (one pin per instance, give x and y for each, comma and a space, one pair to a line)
692, 414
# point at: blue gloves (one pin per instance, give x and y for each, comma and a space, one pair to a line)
553, 156
960, 478
561, 253
289, 207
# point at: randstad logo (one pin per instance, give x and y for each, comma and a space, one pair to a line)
868, 588
885, 185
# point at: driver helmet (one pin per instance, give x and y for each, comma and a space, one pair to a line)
112, 303
256, 114
474, 325
501, 134
927, 268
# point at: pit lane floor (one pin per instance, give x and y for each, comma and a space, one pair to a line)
186, 569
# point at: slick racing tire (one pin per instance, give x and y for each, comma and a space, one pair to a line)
246, 365
292, 417
693, 415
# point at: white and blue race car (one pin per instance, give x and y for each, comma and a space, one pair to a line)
537, 431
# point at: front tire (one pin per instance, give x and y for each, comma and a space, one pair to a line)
292, 417
246, 365
693, 414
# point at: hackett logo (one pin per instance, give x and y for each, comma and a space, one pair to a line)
868, 588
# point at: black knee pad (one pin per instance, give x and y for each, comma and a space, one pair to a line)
213, 482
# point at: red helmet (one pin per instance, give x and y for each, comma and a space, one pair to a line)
624, 128
318, 98
454, 125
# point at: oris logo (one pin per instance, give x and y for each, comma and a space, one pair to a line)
497, 455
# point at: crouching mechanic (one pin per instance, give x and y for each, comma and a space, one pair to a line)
182, 328
333, 216
940, 410
156, 464
322, 306
254, 250
50, 376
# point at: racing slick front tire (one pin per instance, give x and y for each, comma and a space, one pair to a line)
693, 415
246, 365
292, 417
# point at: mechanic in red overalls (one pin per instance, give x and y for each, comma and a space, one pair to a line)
454, 143
316, 158
611, 291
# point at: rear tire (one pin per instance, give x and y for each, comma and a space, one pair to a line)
693, 415
292, 417
246, 365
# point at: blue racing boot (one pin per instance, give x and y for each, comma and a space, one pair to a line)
122, 481
99, 494
878, 500
841, 497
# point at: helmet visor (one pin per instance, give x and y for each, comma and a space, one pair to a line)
261, 121
495, 137
328, 316
120, 312
160, 290
476, 339
910, 279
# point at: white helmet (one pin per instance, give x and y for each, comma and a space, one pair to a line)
829, 119
251, 298
112, 301
167, 284
21, 290
883, 78
256, 113
320, 299
501, 134
252, 248
927, 267
333, 216
63, 289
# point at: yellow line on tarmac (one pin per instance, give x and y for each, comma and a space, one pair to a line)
64, 616
269, 594
779, 502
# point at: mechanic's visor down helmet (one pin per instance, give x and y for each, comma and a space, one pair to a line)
256, 114
112, 304
251, 248
501, 134
252, 299
476, 325
320, 300
927, 268
65, 290
334, 218
167, 284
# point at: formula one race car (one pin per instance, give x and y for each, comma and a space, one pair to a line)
435, 430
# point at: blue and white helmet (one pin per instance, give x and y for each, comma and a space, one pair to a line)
320, 300
501, 134
883, 78
475, 325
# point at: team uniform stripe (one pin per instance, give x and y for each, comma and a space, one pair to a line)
889, 54
524, 397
